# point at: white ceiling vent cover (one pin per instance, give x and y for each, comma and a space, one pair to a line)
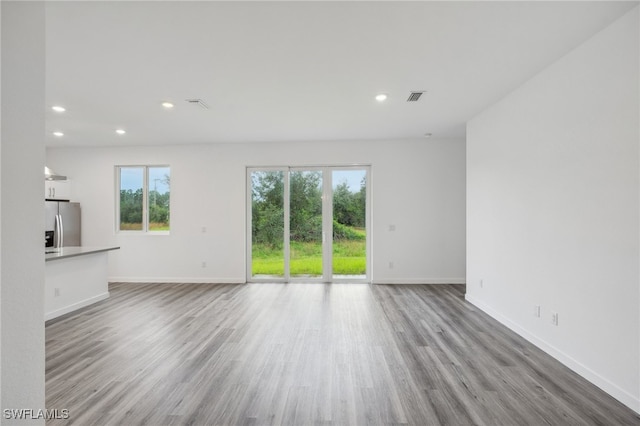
415, 95
198, 102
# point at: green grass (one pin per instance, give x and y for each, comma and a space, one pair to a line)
349, 265
349, 258
158, 226
306, 266
125, 226
153, 226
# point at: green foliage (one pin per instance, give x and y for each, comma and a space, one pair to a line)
267, 214
131, 210
344, 232
268, 225
158, 207
349, 249
305, 206
305, 202
130, 207
349, 208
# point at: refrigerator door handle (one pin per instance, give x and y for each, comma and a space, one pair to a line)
61, 230
58, 231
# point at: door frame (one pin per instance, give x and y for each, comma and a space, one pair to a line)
327, 227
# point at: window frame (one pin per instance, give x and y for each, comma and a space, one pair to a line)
145, 199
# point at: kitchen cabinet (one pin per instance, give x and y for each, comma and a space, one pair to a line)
57, 190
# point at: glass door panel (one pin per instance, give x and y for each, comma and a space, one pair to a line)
305, 223
349, 251
267, 223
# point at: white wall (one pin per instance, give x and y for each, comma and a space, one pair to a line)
22, 221
553, 210
417, 185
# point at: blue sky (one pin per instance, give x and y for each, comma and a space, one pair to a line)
132, 178
352, 177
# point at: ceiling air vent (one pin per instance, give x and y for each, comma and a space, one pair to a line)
198, 102
415, 96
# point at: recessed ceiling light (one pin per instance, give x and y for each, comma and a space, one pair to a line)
167, 105
58, 108
381, 97
58, 134
120, 131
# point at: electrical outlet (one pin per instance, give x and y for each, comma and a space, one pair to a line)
481, 283
536, 311
204, 229
56, 292
392, 228
554, 318
391, 265
204, 264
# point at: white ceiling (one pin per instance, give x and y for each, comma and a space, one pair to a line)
295, 71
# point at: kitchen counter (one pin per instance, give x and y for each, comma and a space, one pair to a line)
66, 252
75, 277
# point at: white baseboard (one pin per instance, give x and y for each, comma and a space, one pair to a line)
213, 280
81, 304
166, 280
609, 387
420, 281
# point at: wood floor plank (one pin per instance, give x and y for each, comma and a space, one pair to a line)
298, 354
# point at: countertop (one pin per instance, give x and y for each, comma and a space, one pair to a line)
66, 252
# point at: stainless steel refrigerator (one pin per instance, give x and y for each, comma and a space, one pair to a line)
62, 224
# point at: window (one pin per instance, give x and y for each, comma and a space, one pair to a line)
143, 202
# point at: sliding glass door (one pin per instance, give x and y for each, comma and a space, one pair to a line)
307, 224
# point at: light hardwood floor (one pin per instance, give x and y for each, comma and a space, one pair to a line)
297, 354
